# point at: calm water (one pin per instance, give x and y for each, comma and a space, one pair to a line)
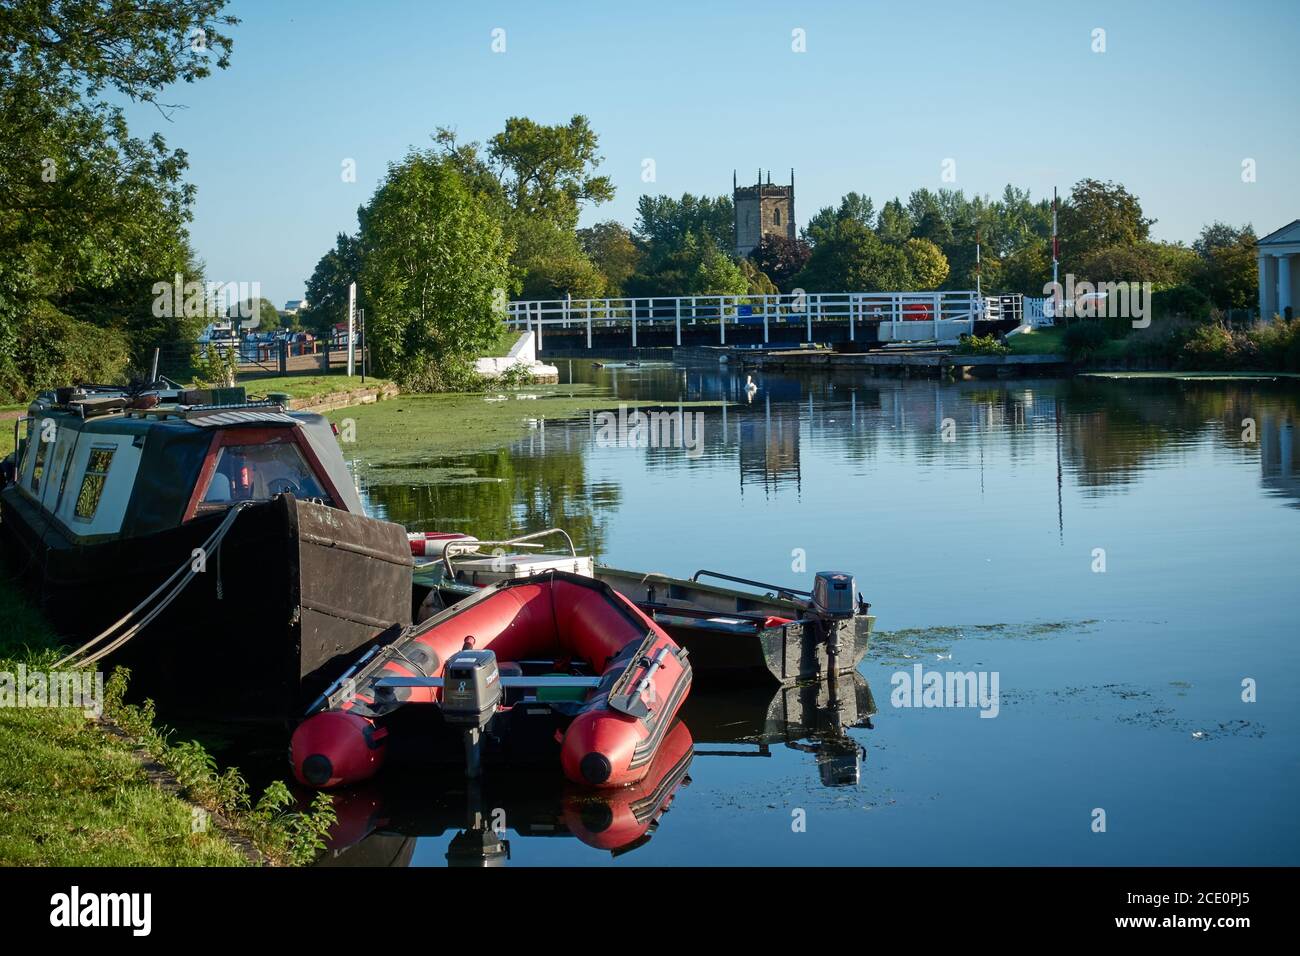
1119, 690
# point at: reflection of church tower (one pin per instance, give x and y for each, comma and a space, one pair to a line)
769, 451
762, 210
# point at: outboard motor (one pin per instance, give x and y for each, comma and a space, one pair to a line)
471, 691
834, 602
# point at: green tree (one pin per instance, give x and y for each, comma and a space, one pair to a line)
268, 316
552, 262
327, 289
894, 223
664, 223
926, 264
435, 267
549, 171
1100, 214
852, 258
1229, 268
90, 216
614, 252
853, 206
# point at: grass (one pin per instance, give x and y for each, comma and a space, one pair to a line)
309, 386
504, 342
1046, 341
70, 795
413, 429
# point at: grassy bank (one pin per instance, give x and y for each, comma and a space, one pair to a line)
309, 386
77, 791
1170, 343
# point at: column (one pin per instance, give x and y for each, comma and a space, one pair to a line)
1283, 283
1267, 285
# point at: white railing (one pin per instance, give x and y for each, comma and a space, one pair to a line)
902, 316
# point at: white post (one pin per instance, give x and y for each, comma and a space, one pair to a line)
539, 326
677, 321
778, 313
352, 329
634, 323
588, 323
722, 320
807, 312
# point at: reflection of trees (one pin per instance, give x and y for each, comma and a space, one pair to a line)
1113, 428
510, 491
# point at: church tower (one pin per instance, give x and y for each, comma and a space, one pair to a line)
762, 210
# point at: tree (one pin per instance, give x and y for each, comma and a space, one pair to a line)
90, 216
894, 224
614, 252
852, 258
781, 258
1100, 214
663, 223
926, 264
327, 289
696, 267
268, 316
548, 171
1229, 268
552, 262
435, 267
853, 206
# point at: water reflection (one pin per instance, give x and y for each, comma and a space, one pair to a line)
475, 822
973, 509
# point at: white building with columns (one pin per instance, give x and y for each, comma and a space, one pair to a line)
1279, 271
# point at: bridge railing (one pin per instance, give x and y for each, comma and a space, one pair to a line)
901, 316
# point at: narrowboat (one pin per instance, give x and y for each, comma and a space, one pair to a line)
738, 631
216, 547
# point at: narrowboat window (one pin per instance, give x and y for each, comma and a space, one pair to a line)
258, 473
92, 484
38, 466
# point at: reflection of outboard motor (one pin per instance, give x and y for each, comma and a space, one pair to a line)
479, 844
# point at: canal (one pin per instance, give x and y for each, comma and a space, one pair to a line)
1116, 561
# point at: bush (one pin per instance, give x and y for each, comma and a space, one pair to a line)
1210, 348
1276, 344
1083, 339
982, 345
1181, 301
53, 349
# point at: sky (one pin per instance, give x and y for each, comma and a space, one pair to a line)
882, 95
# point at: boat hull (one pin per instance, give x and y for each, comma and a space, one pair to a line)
292, 592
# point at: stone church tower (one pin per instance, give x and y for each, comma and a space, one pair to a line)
762, 210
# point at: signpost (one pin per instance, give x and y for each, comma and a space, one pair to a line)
352, 329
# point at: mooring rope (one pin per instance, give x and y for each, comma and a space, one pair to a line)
214, 540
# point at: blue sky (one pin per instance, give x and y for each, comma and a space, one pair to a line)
884, 93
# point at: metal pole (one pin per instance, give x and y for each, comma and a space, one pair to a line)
153, 369
588, 323
678, 320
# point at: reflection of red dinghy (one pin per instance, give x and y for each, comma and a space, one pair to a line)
617, 730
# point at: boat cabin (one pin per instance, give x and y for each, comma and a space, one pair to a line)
101, 463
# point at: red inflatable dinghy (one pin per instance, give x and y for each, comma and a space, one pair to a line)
644, 678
